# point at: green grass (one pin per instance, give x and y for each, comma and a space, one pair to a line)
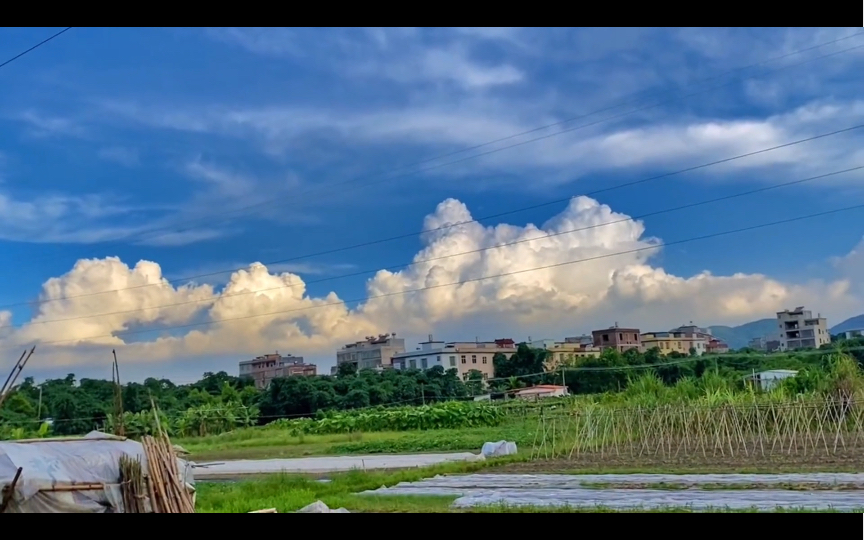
288, 493
268, 443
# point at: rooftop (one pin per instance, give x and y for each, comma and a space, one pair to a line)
380, 339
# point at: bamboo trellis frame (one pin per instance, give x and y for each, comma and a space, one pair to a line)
824, 427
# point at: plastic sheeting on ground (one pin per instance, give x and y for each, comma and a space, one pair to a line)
48, 464
498, 449
574, 491
319, 507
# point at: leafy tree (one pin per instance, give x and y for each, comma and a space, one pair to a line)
346, 369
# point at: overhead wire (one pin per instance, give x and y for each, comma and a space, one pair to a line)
442, 257
633, 94
34, 47
486, 144
528, 132
459, 224
225, 217
462, 282
210, 220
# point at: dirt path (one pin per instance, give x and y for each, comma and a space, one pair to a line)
227, 470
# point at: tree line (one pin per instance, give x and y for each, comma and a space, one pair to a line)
78, 406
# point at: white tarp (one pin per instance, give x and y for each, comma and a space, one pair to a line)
319, 507
498, 449
46, 464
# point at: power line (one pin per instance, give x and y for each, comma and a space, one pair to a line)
633, 94
209, 220
449, 226
472, 280
43, 42
442, 257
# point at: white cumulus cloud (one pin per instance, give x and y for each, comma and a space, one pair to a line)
259, 309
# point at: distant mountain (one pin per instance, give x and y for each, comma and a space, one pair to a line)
855, 323
739, 336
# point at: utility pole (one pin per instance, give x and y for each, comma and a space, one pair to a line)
118, 397
39, 410
423, 393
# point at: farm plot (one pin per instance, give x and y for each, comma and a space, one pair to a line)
813, 492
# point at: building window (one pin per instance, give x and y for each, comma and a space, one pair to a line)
413, 363
473, 358
424, 363
463, 358
605, 337
452, 361
484, 360
438, 359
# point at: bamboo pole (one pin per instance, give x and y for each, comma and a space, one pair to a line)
13, 376
9, 491
73, 487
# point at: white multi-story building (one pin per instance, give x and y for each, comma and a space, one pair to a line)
371, 353
463, 356
799, 329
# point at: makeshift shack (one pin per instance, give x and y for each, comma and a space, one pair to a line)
80, 475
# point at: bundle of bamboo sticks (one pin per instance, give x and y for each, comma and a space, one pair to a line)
132, 485
167, 490
165, 487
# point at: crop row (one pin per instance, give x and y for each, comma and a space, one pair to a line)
452, 415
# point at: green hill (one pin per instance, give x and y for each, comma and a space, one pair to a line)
739, 336
854, 323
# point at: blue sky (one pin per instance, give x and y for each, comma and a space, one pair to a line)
257, 145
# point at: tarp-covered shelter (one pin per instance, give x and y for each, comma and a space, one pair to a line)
71, 475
